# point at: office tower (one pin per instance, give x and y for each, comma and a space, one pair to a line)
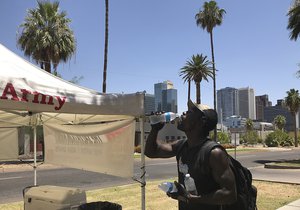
169, 97
158, 88
271, 112
149, 103
261, 102
165, 97
227, 103
247, 103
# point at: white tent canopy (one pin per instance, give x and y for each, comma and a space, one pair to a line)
26, 90
30, 96
25, 87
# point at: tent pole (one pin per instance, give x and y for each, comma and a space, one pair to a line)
143, 169
34, 154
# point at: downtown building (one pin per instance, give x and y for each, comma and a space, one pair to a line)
261, 102
235, 105
271, 112
227, 103
246, 100
165, 97
149, 103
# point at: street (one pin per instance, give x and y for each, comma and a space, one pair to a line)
12, 183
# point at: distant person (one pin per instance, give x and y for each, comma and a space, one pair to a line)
214, 179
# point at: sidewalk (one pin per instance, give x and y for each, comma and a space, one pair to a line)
291, 206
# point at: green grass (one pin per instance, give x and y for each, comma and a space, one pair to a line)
243, 150
270, 196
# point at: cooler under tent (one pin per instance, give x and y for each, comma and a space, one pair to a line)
79, 124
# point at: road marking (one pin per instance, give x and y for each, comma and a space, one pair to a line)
14, 177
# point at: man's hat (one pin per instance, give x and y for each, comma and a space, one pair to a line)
210, 114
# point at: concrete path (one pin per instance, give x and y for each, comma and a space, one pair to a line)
291, 206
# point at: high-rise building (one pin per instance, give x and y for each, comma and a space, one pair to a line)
247, 103
158, 88
261, 102
169, 97
271, 112
227, 103
165, 97
149, 103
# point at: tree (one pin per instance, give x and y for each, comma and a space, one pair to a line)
279, 122
197, 69
294, 24
292, 101
249, 125
105, 48
294, 20
46, 36
210, 17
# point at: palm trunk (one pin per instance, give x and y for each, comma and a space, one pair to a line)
47, 66
198, 94
295, 130
105, 48
214, 78
189, 90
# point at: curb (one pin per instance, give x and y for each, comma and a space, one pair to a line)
275, 166
276, 181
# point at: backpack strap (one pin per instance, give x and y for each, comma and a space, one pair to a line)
205, 151
180, 148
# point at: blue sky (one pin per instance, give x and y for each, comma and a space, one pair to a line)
149, 41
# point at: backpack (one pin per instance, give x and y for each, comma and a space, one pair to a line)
246, 192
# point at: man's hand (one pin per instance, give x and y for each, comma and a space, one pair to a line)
182, 194
160, 125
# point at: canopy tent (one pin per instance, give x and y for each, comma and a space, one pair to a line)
30, 96
25, 87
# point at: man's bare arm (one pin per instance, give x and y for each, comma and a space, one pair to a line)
154, 148
224, 176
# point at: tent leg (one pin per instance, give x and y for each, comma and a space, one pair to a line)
34, 155
143, 169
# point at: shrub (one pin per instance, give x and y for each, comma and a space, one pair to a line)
222, 137
250, 137
277, 138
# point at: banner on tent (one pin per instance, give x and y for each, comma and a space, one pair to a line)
105, 148
9, 149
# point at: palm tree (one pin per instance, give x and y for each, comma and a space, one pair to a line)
249, 125
210, 17
292, 101
294, 24
196, 69
46, 36
105, 48
294, 20
279, 122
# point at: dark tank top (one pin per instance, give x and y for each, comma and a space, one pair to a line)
198, 168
